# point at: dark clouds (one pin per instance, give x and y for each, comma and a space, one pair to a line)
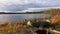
19, 5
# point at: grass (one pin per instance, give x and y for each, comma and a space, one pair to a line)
18, 27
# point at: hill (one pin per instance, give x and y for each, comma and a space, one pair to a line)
52, 11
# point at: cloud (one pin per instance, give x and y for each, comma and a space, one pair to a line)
19, 5
43, 2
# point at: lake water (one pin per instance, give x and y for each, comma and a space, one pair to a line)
14, 17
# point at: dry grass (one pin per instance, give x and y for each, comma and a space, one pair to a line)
20, 27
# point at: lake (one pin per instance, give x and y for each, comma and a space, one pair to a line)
14, 17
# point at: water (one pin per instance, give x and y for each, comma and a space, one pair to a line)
14, 17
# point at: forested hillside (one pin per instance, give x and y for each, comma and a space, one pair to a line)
52, 11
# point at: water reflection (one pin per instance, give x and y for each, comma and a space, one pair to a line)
14, 17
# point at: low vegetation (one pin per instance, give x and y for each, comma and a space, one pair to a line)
20, 27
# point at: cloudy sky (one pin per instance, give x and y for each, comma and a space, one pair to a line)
19, 5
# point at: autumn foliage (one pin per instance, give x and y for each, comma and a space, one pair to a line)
20, 27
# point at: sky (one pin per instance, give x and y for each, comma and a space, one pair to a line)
20, 5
